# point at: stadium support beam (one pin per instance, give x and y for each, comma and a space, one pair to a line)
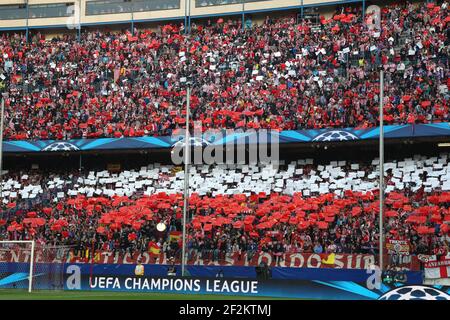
189, 24
381, 169
187, 148
79, 21
243, 15
132, 21
302, 10
364, 10
185, 17
28, 17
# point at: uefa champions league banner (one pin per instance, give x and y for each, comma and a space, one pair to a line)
76, 277
302, 289
230, 137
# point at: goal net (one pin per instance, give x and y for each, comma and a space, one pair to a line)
28, 266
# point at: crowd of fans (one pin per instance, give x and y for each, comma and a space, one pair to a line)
283, 74
227, 224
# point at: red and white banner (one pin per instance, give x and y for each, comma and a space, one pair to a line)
435, 269
296, 260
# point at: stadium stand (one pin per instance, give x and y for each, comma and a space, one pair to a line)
95, 99
280, 75
299, 207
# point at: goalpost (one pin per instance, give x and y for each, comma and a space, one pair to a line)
31, 266
10, 248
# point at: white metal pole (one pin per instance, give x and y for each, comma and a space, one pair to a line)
381, 168
1, 146
30, 282
187, 146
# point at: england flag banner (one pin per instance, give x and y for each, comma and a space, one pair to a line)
438, 269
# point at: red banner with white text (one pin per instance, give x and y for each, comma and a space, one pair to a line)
296, 260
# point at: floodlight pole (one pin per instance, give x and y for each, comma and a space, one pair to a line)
186, 180
381, 170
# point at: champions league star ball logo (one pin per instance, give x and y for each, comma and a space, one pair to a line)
415, 293
194, 142
336, 135
61, 146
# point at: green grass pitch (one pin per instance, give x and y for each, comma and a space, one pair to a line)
96, 295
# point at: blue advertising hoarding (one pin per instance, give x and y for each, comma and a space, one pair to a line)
304, 283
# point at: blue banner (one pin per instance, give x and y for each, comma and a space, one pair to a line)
307, 283
224, 138
328, 284
282, 273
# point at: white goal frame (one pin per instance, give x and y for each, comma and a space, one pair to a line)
30, 276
